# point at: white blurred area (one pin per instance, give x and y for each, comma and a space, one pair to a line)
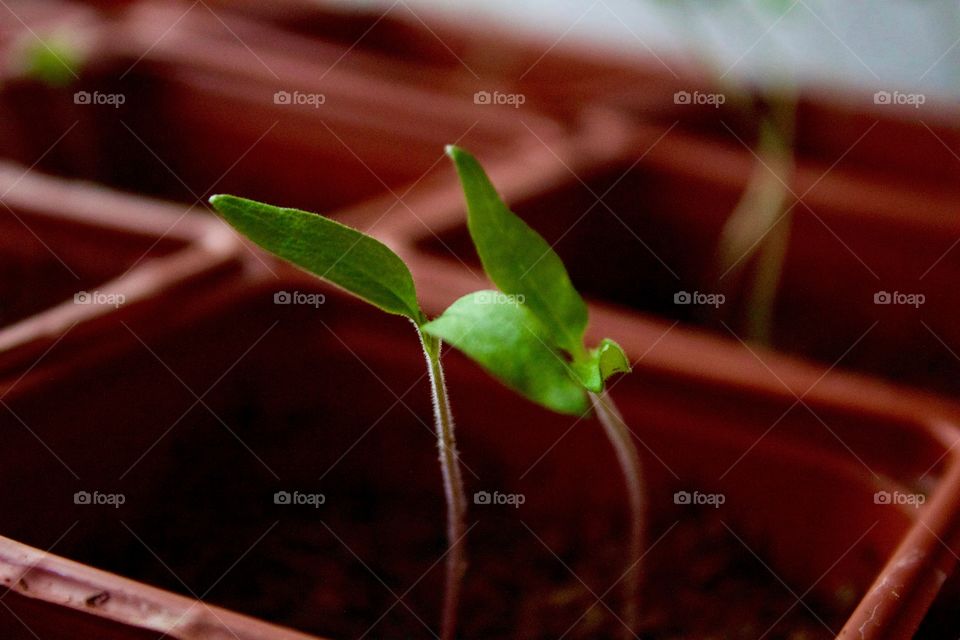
875, 44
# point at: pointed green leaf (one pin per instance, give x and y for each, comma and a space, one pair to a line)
346, 257
509, 342
519, 260
601, 363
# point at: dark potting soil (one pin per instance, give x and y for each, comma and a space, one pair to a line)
374, 570
368, 561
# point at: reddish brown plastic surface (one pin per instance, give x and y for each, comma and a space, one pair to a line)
201, 115
456, 55
912, 147
63, 239
802, 492
900, 144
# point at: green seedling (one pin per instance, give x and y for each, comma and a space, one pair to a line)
372, 272
530, 335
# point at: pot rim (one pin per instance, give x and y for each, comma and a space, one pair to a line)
208, 246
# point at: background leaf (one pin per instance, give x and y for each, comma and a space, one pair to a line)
511, 344
346, 257
519, 260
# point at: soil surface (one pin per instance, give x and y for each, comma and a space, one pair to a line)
340, 573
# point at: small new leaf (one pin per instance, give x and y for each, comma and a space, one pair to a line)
346, 257
601, 363
519, 260
613, 360
512, 345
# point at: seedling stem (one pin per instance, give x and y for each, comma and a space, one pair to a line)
621, 438
452, 484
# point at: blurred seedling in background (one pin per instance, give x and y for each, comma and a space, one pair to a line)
752, 246
530, 335
759, 225
54, 60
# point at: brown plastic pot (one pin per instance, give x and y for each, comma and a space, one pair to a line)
332, 399
908, 145
666, 197
461, 54
857, 131
204, 111
73, 254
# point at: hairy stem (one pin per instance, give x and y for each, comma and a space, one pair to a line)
456, 562
620, 437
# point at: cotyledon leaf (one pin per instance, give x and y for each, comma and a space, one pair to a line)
330, 250
512, 345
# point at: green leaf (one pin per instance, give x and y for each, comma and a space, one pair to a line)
511, 344
612, 359
601, 363
519, 260
346, 257
53, 61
